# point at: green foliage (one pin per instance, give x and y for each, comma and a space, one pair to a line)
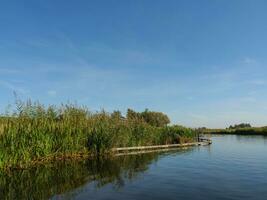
152, 118
34, 133
242, 125
176, 134
157, 119
239, 131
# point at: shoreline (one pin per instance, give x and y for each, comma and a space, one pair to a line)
121, 151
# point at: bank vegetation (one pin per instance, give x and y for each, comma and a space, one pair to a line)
34, 133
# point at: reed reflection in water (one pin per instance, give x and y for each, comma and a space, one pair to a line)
46, 181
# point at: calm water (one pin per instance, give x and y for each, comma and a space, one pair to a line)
233, 167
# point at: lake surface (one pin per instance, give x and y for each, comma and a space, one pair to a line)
233, 167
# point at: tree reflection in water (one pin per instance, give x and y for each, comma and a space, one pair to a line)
45, 181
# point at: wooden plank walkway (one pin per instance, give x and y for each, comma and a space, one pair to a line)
148, 151
202, 142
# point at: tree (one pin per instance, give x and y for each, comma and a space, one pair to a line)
117, 115
132, 115
157, 119
242, 125
152, 118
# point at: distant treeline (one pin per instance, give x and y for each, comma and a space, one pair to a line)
36, 133
238, 129
242, 125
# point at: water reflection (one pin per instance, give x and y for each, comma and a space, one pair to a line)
43, 182
251, 138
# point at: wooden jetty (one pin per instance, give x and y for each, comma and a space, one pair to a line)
145, 149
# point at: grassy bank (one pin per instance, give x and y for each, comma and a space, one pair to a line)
238, 131
34, 133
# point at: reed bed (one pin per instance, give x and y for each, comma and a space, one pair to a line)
35, 133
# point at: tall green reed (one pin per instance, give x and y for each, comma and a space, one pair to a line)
34, 133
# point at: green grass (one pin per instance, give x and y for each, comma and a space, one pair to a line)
35, 133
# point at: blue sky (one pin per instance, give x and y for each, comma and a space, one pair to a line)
201, 62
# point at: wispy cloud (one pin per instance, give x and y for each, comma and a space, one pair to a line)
9, 71
52, 93
103, 76
14, 87
248, 60
258, 82
38, 43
